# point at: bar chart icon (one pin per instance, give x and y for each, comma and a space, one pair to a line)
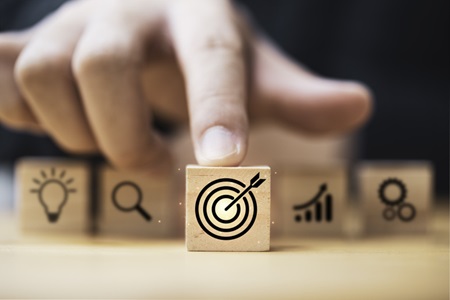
318, 209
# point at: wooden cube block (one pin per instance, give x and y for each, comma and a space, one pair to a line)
53, 196
180, 196
312, 200
396, 196
227, 209
134, 205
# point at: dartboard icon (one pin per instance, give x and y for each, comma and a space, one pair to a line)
226, 208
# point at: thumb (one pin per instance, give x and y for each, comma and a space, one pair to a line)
309, 103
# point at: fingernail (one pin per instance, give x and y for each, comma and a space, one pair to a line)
218, 143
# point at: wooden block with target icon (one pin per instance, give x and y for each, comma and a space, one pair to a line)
227, 208
53, 196
396, 196
135, 205
312, 200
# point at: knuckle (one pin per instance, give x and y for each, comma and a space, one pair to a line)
31, 71
218, 111
221, 103
219, 96
99, 61
220, 43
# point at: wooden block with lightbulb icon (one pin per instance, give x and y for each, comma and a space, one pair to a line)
311, 200
53, 196
396, 196
136, 205
227, 208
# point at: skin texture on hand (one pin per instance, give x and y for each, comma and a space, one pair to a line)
93, 75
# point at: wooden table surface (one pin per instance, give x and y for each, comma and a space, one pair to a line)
396, 267
362, 267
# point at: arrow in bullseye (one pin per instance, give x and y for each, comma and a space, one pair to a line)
254, 183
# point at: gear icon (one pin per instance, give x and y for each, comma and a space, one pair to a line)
382, 191
410, 213
389, 213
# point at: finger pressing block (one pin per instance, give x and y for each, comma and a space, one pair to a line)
227, 208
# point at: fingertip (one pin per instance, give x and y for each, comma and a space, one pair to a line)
319, 106
148, 157
359, 104
219, 146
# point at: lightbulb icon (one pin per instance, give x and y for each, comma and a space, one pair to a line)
53, 192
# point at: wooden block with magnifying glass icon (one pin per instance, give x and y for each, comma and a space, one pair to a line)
53, 196
227, 208
136, 205
396, 196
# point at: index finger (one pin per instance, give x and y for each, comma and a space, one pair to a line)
211, 53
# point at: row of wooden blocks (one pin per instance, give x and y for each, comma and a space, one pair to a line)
221, 205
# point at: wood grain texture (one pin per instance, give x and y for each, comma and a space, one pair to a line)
325, 188
245, 225
413, 267
154, 194
53, 196
416, 177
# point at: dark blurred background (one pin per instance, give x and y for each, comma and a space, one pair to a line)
399, 48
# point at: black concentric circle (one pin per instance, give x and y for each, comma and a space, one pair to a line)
206, 209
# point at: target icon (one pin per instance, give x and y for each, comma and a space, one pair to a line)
226, 208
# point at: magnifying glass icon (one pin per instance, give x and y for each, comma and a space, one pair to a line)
136, 205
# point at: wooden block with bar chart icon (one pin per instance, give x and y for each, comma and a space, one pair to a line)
135, 205
312, 200
227, 208
53, 196
396, 196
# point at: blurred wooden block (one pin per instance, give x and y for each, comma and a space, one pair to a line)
396, 196
53, 196
135, 205
312, 200
227, 209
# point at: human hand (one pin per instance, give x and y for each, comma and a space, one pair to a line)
93, 74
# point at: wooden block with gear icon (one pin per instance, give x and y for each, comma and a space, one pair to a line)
312, 200
53, 196
135, 205
227, 208
396, 196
